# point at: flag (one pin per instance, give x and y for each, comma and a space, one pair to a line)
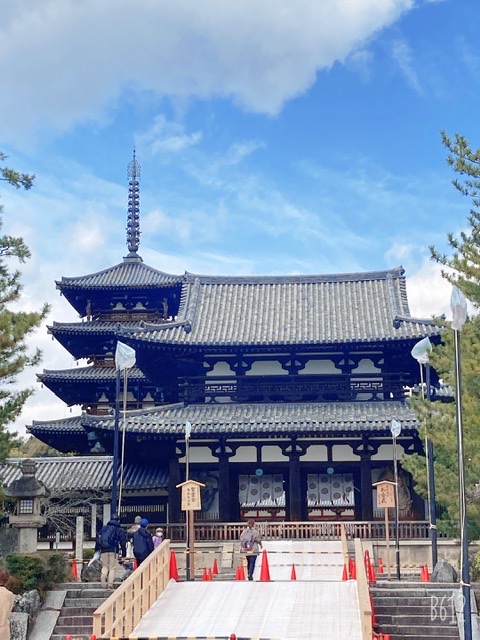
458, 305
422, 350
188, 430
124, 356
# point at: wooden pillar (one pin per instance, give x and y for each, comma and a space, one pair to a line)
297, 496
173, 493
366, 491
224, 488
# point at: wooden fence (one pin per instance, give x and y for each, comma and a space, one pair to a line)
123, 610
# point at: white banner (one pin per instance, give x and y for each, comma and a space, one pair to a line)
124, 356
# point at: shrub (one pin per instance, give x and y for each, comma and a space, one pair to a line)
36, 570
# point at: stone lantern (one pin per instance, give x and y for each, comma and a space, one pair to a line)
28, 492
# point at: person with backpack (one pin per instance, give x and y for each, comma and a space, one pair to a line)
110, 540
142, 542
250, 545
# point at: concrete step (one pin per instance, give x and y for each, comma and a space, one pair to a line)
406, 631
76, 635
93, 603
75, 631
78, 619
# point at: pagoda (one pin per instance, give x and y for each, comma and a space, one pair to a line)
284, 388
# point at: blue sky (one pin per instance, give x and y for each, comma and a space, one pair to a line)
286, 136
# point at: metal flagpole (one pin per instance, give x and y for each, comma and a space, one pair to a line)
124, 359
395, 429
458, 305
188, 429
421, 352
113, 506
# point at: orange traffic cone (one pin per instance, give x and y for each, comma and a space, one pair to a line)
264, 570
215, 570
74, 571
371, 573
204, 576
173, 575
424, 575
240, 575
353, 571
293, 575
345, 573
380, 566
209, 575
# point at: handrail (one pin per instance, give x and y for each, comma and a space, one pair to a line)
123, 610
364, 601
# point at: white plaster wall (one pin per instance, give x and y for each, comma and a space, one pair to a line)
315, 453
273, 454
366, 366
245, 454
221, 369
263, 367
200, 454
385, 452
343, 453
313, 367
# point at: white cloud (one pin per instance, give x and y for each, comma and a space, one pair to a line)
67, 62
402, 54
428, 292
167, 137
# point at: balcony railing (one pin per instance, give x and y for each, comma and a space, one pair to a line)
230, 531
295, 388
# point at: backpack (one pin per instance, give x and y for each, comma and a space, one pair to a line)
247, 540
107, 538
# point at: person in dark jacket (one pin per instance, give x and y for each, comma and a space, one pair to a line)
142, 542
110, 541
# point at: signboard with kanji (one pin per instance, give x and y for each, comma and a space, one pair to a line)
385, 494
191, 500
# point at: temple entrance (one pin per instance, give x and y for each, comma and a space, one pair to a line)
262, 496
330, 496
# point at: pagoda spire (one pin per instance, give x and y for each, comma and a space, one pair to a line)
133, 217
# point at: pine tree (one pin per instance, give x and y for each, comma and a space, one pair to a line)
462, 269
15, 325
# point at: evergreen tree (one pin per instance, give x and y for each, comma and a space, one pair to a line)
462, 269
15, 325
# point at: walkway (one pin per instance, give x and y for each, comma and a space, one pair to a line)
317, 604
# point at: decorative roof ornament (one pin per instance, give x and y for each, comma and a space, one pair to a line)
133, 218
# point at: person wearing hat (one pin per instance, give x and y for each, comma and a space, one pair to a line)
142, 542
157, 537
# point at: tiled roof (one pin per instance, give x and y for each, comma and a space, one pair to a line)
84, 374
66, 425
95, 327
87, 473
271, 419
131, 273
290, 310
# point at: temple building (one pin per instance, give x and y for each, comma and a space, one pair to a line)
285, 386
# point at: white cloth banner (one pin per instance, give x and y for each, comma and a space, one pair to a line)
124, 356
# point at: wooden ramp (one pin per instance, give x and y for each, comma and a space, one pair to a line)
316, 605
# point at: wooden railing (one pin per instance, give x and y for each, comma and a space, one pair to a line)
230, 531
364, 602
123, 610
293, 388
